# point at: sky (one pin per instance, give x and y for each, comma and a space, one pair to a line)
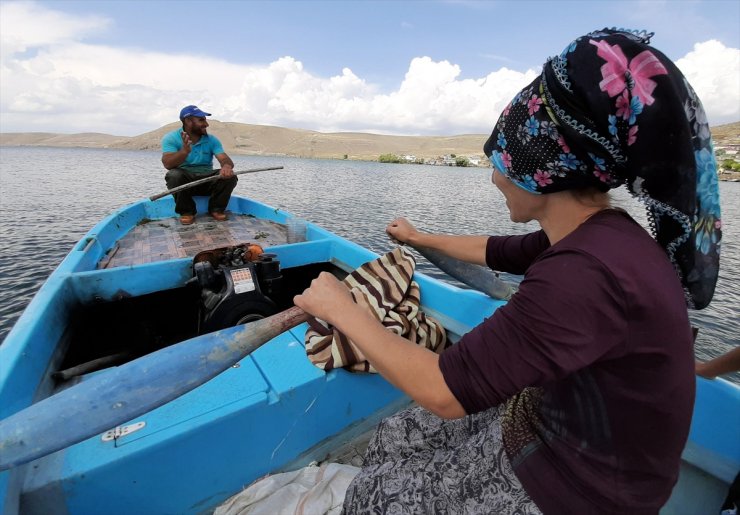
126, 67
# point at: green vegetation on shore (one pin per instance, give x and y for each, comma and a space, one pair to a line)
447, 160
730, 165
389, 158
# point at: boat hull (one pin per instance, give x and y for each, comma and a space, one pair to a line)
269, 412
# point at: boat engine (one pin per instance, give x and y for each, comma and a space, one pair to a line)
236, 286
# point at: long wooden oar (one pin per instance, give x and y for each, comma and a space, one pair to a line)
125, 392
477, 277
208, 179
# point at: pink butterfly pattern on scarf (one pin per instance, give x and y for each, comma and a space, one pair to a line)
615, 80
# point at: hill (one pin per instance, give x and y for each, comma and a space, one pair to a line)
726, 133
245, 139
49, 139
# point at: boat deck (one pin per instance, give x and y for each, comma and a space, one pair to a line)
165, 239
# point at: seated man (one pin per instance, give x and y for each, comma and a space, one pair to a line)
187, 154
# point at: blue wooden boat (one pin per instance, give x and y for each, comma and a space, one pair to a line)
130, 287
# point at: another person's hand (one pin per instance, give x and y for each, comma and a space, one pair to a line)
724, 364
326, 298
702, 369
227, 171
401, 230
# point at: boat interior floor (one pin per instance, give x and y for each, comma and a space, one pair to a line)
164, 239
352, 452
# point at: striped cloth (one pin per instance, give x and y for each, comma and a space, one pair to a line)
383, 287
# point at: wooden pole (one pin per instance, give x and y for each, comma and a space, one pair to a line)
478, 277
208, 179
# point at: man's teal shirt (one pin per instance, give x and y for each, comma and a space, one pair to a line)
200, 158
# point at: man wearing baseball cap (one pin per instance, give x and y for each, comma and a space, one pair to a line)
188, 154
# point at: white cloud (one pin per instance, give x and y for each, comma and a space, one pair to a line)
713, 70
52, 80
26, 25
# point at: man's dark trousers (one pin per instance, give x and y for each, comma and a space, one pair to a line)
219, 190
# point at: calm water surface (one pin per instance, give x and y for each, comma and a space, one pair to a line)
52, 197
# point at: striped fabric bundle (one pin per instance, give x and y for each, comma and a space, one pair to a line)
383, 287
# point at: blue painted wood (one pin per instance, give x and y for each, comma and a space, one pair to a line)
132, 389
135, 281
715, 428
195, 463
200, 447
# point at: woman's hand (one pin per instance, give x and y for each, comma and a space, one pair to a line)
402, 231
326, 298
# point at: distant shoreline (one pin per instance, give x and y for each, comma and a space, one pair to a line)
245, 139
729, 177
269, 141
723, 176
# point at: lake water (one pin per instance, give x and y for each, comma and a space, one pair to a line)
51, 197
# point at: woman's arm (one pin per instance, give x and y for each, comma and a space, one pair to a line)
409, 367
471, 249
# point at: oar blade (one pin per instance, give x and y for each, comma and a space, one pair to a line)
477, 277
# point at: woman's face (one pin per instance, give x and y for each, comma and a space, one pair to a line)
523, 206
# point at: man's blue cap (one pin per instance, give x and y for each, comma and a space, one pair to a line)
192, 111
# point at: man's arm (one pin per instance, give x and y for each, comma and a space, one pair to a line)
227, 165
172, 160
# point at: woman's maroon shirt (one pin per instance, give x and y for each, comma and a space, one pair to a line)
594, 357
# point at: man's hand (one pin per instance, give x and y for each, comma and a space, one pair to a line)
227, 171
186, 143
227, 166
172, 160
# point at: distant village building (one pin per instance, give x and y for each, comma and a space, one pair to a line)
727, 150
448, 160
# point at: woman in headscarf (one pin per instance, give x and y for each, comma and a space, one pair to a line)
577, 395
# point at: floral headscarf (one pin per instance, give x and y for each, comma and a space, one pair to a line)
611, 110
